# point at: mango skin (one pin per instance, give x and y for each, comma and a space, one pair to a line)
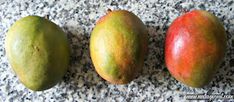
38, 52
118, 46
195, 46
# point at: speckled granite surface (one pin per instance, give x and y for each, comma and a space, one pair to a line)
81, 82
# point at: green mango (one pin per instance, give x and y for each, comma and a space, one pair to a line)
38, 51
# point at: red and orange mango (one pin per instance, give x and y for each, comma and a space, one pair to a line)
194, 48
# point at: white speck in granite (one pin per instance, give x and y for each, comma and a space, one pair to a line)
82, 83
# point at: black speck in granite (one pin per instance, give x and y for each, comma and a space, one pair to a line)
178, 6
64, 94
170, 99
231, 62
210, 92
230, 3
202, 6
232, 92
232, 43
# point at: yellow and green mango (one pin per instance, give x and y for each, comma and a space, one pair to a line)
118, 46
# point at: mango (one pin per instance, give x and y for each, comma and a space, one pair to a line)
38, 52
118, 46
194, 48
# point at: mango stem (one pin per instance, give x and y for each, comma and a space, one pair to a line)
46, 17
109, 10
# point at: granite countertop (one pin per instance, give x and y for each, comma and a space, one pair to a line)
82, 83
